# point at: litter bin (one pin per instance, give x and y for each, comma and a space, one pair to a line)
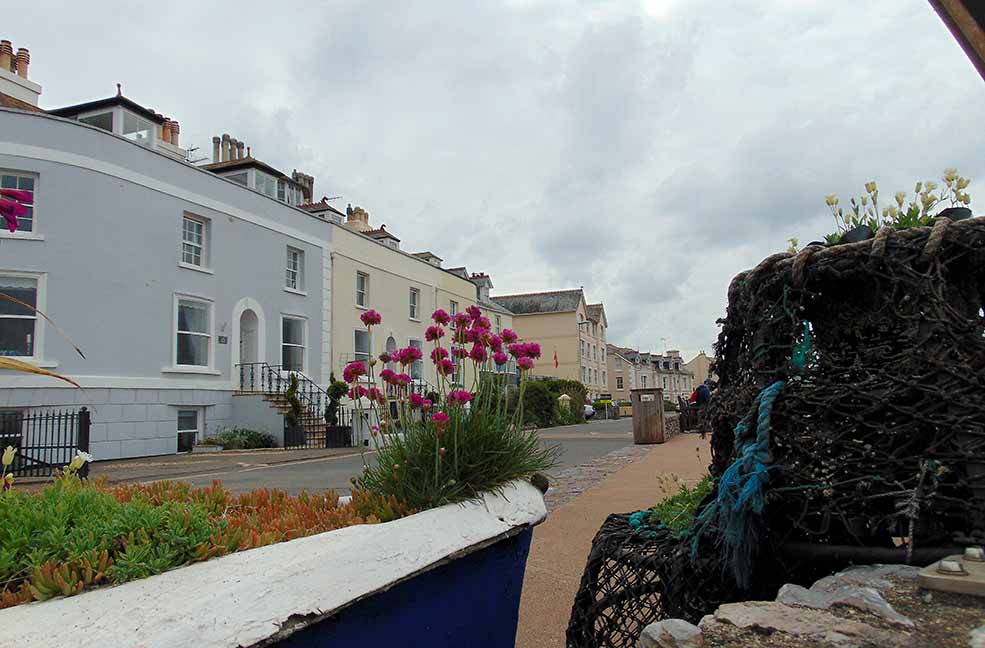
648, 415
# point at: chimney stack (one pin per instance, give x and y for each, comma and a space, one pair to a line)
225, 147
307, 183
240, 146
6, 56
175, 129
23, 58
166, 130
215, 148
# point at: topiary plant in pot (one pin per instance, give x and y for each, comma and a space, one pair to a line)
337, 433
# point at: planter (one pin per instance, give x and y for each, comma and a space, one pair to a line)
338, 436
450, 576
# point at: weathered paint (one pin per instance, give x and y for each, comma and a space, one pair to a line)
248, 597
473, 601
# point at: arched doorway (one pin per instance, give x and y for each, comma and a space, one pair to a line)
249, 326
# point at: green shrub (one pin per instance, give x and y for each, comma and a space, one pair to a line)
479, 450
571, 415
677, 511
670, 406
241, 439
538, 404
336, 390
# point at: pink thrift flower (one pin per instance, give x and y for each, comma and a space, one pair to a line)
427, 404
481, 322
370, 318
459, 396
352, 371
440, 420
460, 352
474, 312
410, 355
461, 320
402, 379
533, 350
500, 358
384, 357
445, 367
19, 195
440, 317
517, 350
525, 363
495, 343
416, 401
11, 211
387, 375
434, 333
509, 337
357, 392
439, 353
478, 353
376, 395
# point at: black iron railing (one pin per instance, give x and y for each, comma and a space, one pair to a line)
44, 440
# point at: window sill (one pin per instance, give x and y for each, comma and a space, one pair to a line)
188, 266
414, 319
208, 371
37, 362
295, 291
362, 307
23, 236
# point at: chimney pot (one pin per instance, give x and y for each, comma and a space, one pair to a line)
215, 148
6, 56
23, 58
240, 146
225, 147
175, 129
248, 153
119, 89
166, 130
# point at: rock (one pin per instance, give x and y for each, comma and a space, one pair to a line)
769, 617
671, 633
977, 637
861, 598
874, 576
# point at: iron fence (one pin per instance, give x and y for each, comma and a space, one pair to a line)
44, 440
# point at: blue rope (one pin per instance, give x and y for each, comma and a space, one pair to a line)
741, 488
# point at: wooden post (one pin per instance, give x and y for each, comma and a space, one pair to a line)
648, 415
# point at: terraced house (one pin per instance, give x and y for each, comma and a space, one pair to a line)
190, 289
570, 331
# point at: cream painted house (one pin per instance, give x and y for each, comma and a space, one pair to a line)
568, 329
368, 270
631, 369
700, 367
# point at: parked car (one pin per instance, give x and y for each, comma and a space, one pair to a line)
589, 412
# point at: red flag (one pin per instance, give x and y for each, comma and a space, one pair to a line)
555, 359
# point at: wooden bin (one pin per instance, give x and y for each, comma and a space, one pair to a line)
648, 415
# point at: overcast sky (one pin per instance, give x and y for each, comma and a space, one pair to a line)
646, 151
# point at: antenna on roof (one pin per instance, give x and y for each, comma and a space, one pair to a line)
188, 156
327, 198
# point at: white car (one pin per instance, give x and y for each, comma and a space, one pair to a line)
589, 412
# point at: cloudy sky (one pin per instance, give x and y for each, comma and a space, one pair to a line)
647, 151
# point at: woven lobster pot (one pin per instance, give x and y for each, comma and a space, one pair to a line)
876, 438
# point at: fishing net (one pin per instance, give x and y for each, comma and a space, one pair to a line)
850, 412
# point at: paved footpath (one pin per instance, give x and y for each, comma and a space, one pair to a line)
560, 545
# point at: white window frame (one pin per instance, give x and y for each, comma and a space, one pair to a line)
414, 304
418, 366
357, 355
452, 307
304, 341
204, 256
294, 254
42, 289
22, 234
364, 291
499, 324
199, 428
210, 369
619, 383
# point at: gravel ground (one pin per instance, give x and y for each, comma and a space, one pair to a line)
568, 483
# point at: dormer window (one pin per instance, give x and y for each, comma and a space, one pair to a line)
266, 184
99, 120
137, 129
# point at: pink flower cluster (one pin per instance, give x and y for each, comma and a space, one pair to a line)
524, 350
352, 371
406, 356
370, 318
419, 402
11, 209
458, 397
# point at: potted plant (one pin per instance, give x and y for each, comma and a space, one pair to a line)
337, 433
